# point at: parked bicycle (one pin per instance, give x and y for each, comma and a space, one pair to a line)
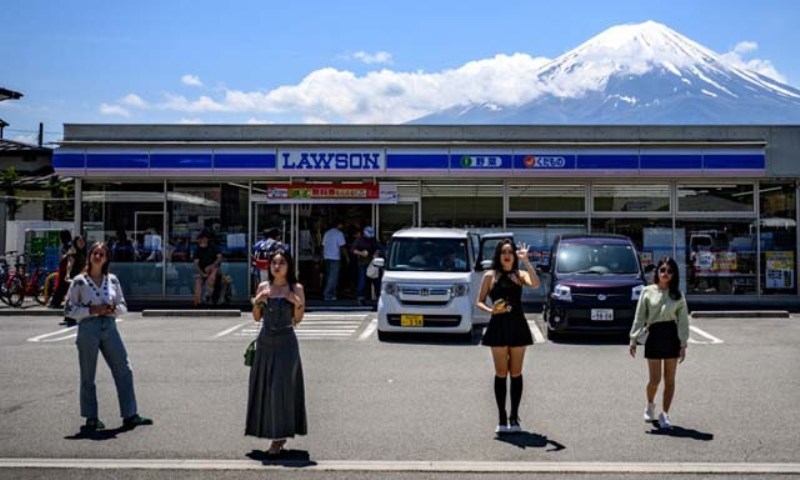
12, 288
19, 283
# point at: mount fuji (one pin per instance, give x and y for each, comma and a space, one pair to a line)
643, 73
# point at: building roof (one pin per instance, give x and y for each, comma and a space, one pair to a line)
6, 94
12, 148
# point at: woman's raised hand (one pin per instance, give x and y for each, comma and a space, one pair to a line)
522, 251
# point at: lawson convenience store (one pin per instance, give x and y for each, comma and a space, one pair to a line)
721, 200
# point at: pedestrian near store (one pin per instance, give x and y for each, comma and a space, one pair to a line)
663, 313
207, 259
95, 300
76, 262
364, 248
62, 285
508, 333
276, 395
333, 251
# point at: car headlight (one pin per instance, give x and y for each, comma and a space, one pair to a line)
637, 292
459, 289
391, 288
562, 292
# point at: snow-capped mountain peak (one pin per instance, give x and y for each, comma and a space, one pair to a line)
643, 72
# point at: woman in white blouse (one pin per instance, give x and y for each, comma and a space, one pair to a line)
95, 300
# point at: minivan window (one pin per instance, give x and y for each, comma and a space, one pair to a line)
596, 259
429, 255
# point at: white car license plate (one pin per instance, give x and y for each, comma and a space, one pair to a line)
603, 314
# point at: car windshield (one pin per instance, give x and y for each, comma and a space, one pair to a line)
596, 259
428, 255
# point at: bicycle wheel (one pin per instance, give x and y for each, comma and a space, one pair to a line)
16, 293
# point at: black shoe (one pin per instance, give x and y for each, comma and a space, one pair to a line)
136, 421
92, 425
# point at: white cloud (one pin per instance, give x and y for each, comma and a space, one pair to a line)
190, 121
191, 80
370, 58
329, 95
110, 109
30, 139
257, 121
736, 58
133, 100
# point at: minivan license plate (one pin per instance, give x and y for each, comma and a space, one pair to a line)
603, 314
410, 320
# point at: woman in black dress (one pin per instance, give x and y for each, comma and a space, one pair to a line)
276, 398
508, 333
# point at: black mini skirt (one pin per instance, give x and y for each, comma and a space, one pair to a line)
662, 341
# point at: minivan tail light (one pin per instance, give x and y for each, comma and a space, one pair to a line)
562, 292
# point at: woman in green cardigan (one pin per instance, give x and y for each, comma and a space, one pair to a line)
663, 313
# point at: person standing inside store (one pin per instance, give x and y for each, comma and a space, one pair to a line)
508, 333
662, 310
62, 284
364, 247
207, 259
276, 394
75, 265
95, 300
333, 251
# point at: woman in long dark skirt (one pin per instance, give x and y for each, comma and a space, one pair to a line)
276, 399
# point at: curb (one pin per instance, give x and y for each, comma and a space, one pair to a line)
191, 313
742, 314
32, 312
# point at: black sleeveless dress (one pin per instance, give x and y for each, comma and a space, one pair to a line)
509, 329
276, 406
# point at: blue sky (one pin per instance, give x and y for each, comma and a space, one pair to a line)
348, 61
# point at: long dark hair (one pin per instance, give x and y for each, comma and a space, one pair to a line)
497, 265
291, 277
88, 266
675, 278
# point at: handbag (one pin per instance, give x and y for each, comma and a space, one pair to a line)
641, 339
373, 271
250, 354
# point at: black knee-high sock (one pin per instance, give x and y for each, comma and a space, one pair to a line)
500, 397
516, 396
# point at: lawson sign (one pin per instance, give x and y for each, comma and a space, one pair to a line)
321, 160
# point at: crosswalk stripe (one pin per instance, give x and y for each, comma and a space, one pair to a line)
713, 340
538, 336
373, 325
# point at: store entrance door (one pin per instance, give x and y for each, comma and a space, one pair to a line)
313, 220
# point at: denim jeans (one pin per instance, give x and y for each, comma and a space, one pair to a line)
100, 334
362, 282
332, 270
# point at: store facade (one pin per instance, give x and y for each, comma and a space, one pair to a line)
721, 200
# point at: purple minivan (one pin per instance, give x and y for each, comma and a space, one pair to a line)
595, 283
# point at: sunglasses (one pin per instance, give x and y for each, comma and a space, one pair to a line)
667, 271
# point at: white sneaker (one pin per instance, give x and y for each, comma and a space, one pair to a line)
514, 426
663, 420
501, 428
650, 412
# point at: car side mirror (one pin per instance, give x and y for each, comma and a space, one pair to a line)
485, 265
378, 262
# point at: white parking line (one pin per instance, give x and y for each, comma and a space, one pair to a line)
373, 325
713, 340
71, 332
538, 336
232, 329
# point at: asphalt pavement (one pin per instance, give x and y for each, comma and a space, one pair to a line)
415, 408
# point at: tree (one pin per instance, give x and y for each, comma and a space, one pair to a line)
62, 192
8, 182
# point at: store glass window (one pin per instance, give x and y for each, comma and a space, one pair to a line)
717, 256
778, 224
630, 198
546, 198
462, 206
652, 236
716, 198
130, 218
220, 211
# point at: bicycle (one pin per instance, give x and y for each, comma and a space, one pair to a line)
12, 291
34, 283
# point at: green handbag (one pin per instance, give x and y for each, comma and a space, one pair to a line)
250, 354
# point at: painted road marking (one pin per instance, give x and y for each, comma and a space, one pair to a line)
712, 340
408, 466
66, 334
373, 325
538, 336
313, 326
